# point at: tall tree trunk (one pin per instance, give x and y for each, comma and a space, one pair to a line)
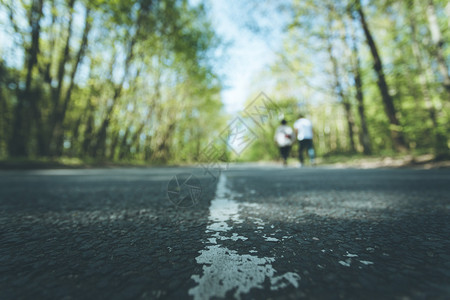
34, 97
4, 118
58, 133
135, 141
447, 13
45, 66
74, 142
438, 43
395, 128
440, 139
99, 148
113, 146
86, 146
148, 153
364, 135
55, 126
343, 99
21, 128
124, 148
162, 152
47, 62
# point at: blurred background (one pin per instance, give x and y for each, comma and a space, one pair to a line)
156, 81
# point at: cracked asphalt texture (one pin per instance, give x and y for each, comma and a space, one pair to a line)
113, 233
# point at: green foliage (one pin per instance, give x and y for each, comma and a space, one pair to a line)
134, 80
401, 30
128, 80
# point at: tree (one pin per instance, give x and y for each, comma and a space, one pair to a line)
391, 112
86, 62
439, 44
356, 70
26, 98
338, 85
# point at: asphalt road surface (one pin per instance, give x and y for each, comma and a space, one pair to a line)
250, 233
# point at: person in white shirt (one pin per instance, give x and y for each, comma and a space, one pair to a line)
284, 136
304, 132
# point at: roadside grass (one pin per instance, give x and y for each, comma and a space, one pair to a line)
387, 159
338, 160
69, 163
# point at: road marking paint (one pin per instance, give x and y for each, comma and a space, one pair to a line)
351, 255
346, 263
270, 239
234, 237
224, 270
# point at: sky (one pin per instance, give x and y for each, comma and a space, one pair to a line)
245, 57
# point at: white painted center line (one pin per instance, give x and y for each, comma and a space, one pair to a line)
224, 269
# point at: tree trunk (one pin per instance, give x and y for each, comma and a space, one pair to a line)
162, 152
438, 43
75, 136
4, 119
55, 126
21, 128
112, 148
364, 136
58, 133
447, 13
440, 139
343, 99
86, 147
148, 153
364, 133
350, 122
135, 139
47, 62
124, 147
395, 128
98, 150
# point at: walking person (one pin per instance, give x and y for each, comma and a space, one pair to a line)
304, 132
284, 136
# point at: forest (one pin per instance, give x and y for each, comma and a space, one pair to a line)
135, 80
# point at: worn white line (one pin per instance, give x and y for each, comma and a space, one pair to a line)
226, 270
